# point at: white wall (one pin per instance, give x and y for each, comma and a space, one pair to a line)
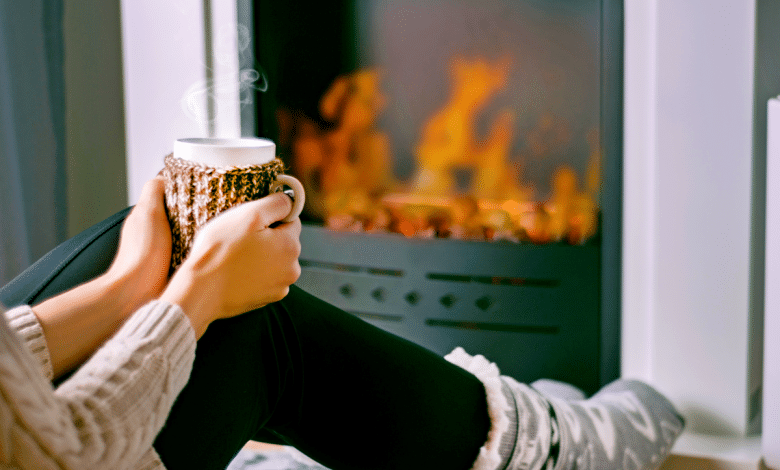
687, 206
163, 57
173, 67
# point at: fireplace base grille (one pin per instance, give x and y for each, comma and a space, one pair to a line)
532, 309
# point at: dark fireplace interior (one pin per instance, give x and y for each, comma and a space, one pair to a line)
462, 163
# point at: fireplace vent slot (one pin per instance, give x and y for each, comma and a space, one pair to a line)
378, 316
350, 268
490, 326
495, 280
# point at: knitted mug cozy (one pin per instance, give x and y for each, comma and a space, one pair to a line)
195, 193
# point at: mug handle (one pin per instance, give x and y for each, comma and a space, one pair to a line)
299, 195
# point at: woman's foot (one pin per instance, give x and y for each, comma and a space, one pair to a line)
557, 389
626, 425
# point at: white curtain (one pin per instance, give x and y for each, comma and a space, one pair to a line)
33, 203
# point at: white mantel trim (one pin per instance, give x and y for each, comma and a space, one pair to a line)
639, 181
687, 159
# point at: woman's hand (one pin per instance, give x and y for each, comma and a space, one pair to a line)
76, 322
140, 267
239, 261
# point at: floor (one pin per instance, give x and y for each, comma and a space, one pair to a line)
687, 456
260, 456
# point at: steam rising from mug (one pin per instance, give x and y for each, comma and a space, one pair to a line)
204, 100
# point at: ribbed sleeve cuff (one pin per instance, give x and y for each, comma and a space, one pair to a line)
497, 451
23, 320
165, 324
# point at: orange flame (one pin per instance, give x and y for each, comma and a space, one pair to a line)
346, 168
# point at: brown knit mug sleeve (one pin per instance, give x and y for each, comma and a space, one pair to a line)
196, 193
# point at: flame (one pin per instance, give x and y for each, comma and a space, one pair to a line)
347, 167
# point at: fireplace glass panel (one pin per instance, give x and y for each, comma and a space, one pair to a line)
456, 156
470, 120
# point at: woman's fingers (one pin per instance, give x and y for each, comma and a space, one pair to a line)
242, 258
270, 209
153, 192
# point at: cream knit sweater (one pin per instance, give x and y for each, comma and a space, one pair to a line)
107, 415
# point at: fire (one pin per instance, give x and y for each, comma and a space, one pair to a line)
449, 141
347, 166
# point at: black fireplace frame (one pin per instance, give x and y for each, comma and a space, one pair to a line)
537, 310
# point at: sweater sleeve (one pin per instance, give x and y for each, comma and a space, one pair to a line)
27, 326
109, 412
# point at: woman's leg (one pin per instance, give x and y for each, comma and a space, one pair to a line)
242, 372
370, 399
344, 392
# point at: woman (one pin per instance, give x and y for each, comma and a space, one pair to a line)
292, 370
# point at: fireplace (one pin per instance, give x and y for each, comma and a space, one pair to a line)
463, 170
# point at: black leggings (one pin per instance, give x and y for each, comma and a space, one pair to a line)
298, 372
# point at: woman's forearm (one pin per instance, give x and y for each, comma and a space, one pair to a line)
107, 414
76, 322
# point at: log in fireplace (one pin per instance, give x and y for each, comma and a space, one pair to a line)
463, 170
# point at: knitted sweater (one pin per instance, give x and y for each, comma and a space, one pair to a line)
107, 415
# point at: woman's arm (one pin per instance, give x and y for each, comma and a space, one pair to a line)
237, 263
75, 323
108, 413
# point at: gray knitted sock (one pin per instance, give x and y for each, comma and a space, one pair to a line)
626, 425
557, 389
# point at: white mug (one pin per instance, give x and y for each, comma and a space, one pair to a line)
240, 152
